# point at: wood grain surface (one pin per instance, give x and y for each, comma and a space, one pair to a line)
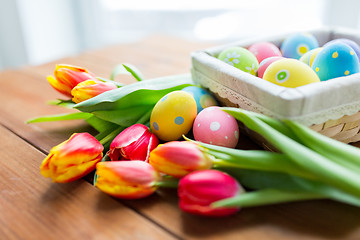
32, 207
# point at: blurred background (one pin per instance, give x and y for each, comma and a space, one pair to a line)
33, 32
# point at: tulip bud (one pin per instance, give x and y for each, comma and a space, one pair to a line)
199, 189
67, 77
179, 158
72, 159
127, 179
89, 89
133, 143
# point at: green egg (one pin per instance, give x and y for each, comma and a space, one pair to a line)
240, 58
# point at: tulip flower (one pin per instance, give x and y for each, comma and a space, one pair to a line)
127, 179
179, 158
67, 77
133, 143
199, 189
89, 89
72, 159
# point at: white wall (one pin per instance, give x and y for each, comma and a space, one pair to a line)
12, 48
48, 29
38, 31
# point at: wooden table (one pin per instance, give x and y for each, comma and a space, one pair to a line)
32, 207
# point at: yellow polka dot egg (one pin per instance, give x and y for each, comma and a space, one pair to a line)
173, 115
290, 73
335, 60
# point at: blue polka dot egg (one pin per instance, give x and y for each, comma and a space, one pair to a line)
202, 97
335, 60
173, 115
296, 45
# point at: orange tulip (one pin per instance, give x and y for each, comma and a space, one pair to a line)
73, 158
89, 89
179, 158
67, 77
127, 179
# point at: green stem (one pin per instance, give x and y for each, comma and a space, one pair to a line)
327, 171
145, 118
339, 152
104, 159
168, 183
274, 123
252, 159
265, 197
111, 135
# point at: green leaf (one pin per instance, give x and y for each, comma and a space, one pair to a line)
111, 81
326, 170
146, 92
126, 69
62, 103
99, 124
341, 153
134, 71
61, 117
117, 70
254, 179
124, 117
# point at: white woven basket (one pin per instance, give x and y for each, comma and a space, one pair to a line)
331, 107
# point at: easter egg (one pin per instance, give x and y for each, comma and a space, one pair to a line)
335, 60
240, 58
308, 58
214, 126
265, 63
173, 115
264, 50
296, 45
290, 73
348, 42
202, 97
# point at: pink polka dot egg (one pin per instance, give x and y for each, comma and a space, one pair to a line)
263, 50
214, 126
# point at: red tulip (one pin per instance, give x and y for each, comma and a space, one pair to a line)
134, 143
127, 179
199, 189
179, 158
67, 77
72, 159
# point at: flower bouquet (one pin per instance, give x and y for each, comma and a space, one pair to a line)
150, 136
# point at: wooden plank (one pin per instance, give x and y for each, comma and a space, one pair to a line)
24, 97
302, 220
32, 207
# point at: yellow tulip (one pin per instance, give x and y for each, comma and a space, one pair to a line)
67, 77
127, 179
72, 159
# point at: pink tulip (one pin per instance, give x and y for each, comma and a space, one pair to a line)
179, 158
199, 189
134, 143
